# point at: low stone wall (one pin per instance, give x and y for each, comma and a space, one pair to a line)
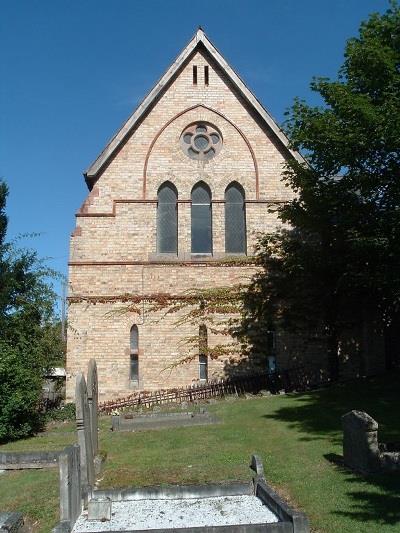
361, 450
22, 460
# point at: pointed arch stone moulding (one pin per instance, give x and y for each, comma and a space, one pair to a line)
199, 39
192, 108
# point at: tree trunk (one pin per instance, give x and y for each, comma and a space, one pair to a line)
333, 357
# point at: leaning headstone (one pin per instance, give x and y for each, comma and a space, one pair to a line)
360, 442
70, 484
93, 399
84, 432
257, 465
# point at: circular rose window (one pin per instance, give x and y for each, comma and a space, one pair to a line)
201, 141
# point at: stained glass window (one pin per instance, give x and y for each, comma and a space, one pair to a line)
235, 219
134, 355
167, 219
201, 219
203, 359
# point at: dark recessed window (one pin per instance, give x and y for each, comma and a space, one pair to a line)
167, 219
194, 75
235, 219
203, 359
134, 353
201, 219
206, 76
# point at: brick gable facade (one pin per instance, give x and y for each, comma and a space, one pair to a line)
113, 249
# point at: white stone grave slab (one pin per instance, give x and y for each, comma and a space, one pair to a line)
134, 515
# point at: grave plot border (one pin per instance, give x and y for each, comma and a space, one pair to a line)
290, 521
22, 460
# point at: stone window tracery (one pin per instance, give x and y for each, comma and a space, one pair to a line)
201, 141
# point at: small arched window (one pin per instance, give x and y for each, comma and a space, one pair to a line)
201, 219
167, 219
134, 352
203, 359
235, 219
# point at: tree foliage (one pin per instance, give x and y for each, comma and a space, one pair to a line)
28, 346
337, 262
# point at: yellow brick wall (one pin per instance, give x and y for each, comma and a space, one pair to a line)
113, 248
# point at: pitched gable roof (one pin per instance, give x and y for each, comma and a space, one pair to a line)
198, 40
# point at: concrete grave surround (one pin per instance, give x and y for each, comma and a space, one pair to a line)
161, 420
234, 507
26, 460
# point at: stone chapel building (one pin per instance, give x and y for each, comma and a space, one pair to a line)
185, 184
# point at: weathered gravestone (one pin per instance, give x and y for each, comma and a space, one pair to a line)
70, 484
93, 400
360, 442
83, 427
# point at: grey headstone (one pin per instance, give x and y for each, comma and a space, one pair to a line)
360, 442
70, 484
99, 509
256, 465
93, 399
83, 428
11, 523
115, 422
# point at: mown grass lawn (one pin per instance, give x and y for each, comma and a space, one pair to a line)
298, 437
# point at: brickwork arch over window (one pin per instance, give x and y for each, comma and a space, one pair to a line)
134, 351
203, 358
235, 219
167, 219
201, 219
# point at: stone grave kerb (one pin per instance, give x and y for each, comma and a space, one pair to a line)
83, 428
93, 400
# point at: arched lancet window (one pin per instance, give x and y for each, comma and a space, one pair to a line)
201, 219
134, 351
235, 219
203, 359
167, 219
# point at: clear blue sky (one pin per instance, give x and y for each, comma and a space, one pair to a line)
71, 72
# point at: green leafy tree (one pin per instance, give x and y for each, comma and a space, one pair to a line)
336, 266
27, 343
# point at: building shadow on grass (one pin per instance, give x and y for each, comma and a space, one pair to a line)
317, 415
378, 503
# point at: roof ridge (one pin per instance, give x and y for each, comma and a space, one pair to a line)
199, 37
